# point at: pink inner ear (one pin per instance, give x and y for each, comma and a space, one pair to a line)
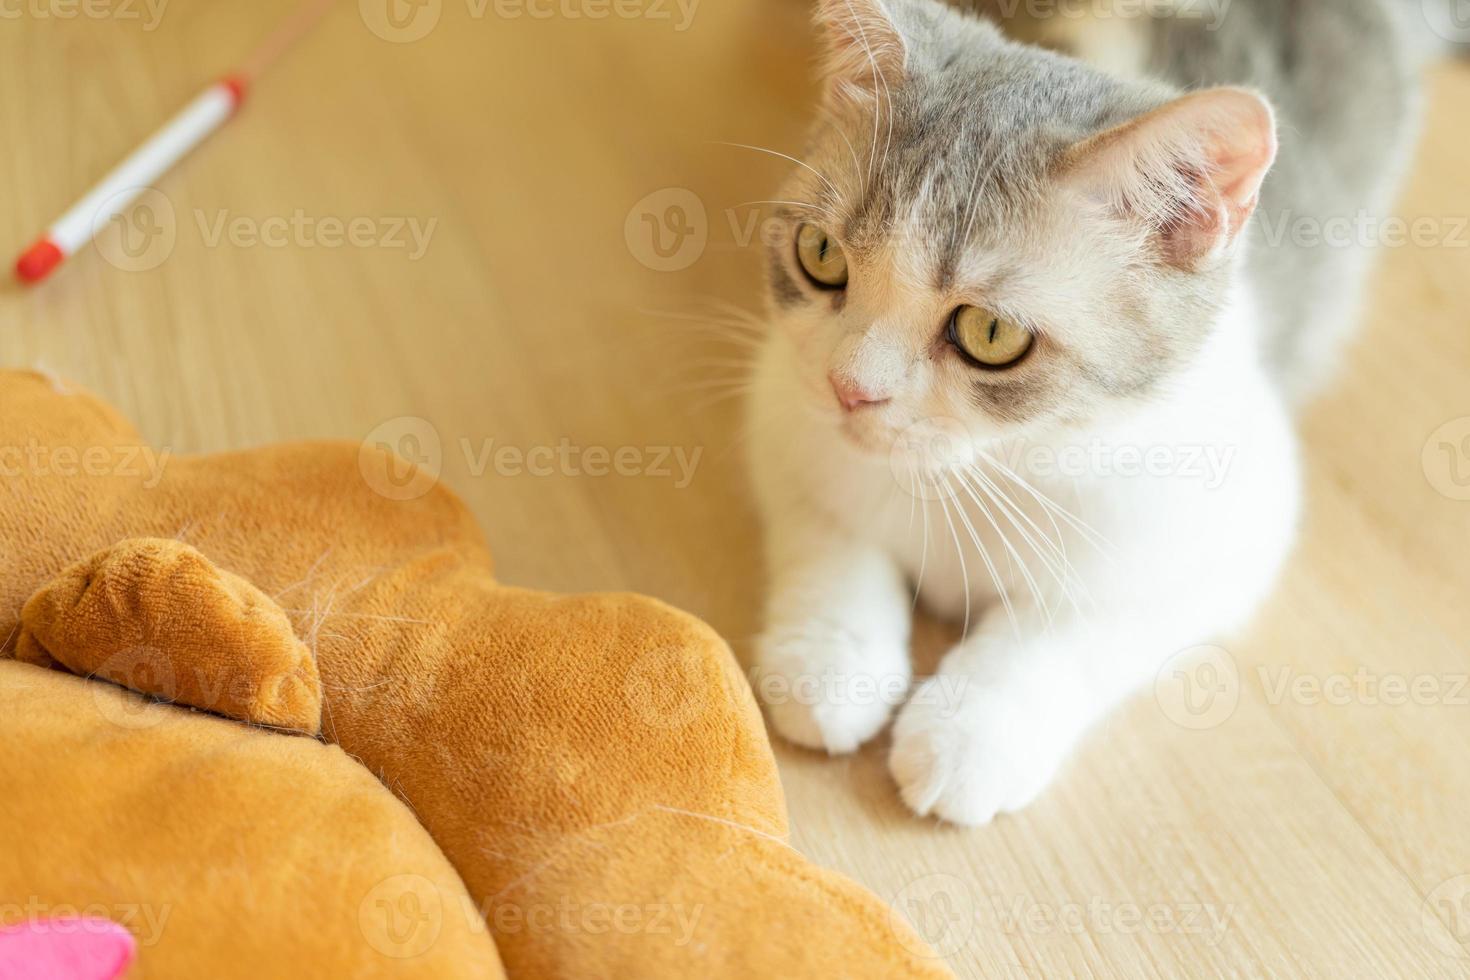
1192, 169
65, 949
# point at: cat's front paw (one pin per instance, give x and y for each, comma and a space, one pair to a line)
829, 689
965, 751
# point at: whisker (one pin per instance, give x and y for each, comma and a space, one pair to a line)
806, 205
924, 552
1000, 586
960, 553
1082, 527
1020, 563
1053, 556
786, 156
862, 37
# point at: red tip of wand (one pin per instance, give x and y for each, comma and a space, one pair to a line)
239, 87
38, 261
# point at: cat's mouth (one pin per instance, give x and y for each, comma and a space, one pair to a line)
868, 434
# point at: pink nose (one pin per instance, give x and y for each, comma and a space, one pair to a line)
852, 395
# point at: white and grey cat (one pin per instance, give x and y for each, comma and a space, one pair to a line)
1027, 364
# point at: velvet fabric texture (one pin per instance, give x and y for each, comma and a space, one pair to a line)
593, 767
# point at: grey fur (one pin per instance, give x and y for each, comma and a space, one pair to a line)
1343, 75
959, 158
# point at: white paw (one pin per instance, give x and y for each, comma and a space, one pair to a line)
965, 752
828, 689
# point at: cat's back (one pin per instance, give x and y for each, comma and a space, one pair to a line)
1343, 76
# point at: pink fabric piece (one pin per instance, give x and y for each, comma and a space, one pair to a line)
65, 949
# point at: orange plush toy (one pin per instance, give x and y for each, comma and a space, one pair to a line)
593, 768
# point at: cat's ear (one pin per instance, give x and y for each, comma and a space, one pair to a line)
1191, 171
864, 49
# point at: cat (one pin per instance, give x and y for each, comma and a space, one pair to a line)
1018, 303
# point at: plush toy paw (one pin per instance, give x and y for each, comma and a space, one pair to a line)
156, 616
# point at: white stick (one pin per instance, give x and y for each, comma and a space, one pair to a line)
186, 130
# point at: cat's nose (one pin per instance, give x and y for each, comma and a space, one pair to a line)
852, 395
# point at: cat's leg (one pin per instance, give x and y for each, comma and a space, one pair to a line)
991, 730
833, 661
1184, 562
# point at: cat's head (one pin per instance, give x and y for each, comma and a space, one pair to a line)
990, 233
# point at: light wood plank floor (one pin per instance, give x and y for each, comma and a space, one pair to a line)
1301, 835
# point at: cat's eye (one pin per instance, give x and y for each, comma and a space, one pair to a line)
987, 339
821, 258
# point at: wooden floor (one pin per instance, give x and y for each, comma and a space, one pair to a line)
1284, 832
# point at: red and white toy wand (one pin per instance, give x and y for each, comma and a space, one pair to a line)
211, 109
